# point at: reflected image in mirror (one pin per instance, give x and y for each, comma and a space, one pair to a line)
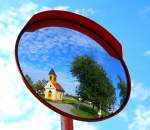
72, 72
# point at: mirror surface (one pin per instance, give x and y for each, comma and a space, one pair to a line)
72, 72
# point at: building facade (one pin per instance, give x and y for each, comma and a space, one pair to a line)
53, 89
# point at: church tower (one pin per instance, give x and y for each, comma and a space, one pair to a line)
52, 76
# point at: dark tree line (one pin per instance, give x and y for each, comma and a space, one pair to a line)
38, 86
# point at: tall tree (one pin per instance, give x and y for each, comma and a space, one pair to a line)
123, 89
95, 86
28, 78
39, 85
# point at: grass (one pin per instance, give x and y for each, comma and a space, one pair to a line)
43, 96
84, 112
66, 100
69, 100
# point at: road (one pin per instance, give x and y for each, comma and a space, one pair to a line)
63, 107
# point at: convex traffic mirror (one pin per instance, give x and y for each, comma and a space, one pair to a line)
73, 66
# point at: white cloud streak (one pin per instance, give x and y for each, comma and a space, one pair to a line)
145, 11
141, 119
40, 119
62, 7
10, 88
147, 53
85, 12
123, 115
78, 125
139, 92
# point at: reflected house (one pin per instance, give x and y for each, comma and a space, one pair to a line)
53, 90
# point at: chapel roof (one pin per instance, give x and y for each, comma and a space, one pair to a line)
52, 72
57, 86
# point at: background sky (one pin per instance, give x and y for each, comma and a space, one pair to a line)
128, 21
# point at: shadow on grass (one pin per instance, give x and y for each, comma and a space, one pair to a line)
84, 111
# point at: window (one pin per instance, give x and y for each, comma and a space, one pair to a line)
50, 77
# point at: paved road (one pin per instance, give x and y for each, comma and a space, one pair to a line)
63, 107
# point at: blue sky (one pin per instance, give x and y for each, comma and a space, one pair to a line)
128, 21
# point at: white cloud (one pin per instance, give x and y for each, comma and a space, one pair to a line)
43, 120
147, 53
57, 42
61, 8
11, 24
145, 11
85, 12
78, 125
15, 99
40, 119
28, 8
10, 89
141, 119
45, 8
139, 92
123, 115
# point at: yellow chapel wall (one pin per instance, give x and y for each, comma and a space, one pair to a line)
56, 95
59, 95
53, 97
46, 94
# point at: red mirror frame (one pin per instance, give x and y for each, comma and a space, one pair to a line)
89, 28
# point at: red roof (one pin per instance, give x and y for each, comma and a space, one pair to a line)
58, 86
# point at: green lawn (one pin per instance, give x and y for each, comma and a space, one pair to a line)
85, 112
69, 100
66, 100
43, 96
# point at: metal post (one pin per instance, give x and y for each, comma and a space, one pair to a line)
66, 123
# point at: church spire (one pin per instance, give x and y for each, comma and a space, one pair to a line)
52, 72
52, 76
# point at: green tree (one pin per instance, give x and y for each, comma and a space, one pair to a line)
95, 86
123, 90
29, 80
39, 85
